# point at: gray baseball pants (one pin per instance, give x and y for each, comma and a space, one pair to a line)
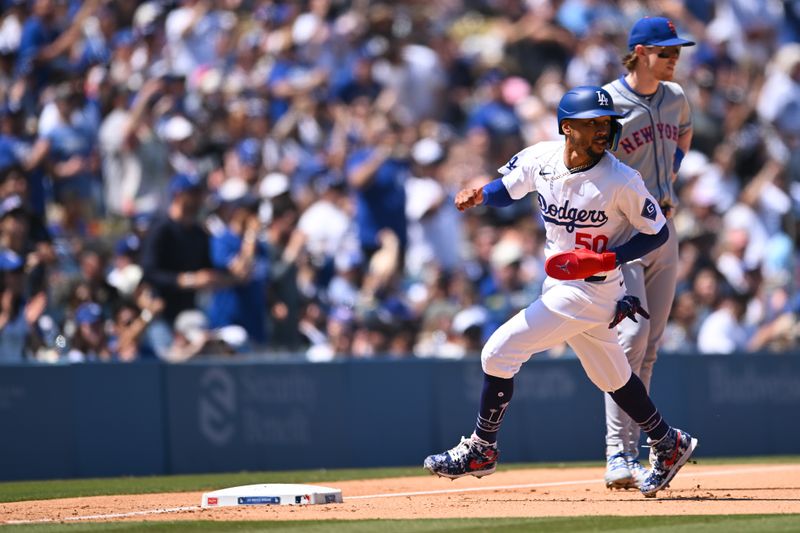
652, 279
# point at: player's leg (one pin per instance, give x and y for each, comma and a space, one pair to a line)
606, 365
602, 357
532, 330
660, 281
622, 470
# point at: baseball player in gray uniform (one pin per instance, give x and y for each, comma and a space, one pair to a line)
598, 215
656, 133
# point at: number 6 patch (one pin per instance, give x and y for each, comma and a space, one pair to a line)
649, 210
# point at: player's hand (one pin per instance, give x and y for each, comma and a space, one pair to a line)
467, 198
627, 308
579, 264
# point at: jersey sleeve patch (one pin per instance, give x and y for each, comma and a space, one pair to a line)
508, 167
649, 210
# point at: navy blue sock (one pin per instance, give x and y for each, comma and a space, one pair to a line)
634, 400
495, 398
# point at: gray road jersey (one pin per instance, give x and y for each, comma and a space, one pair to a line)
650, 130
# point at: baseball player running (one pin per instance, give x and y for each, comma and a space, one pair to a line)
597, 215
656, 133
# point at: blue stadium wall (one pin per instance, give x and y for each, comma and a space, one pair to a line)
107, 420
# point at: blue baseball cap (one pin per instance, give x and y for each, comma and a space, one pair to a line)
182, 183
248, 201
141, 221
493, 75
249, 152
88, 313
11, 204
127, 245
10, 261
655, 31
124, 37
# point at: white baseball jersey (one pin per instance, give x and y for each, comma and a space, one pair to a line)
597, 208
651, 126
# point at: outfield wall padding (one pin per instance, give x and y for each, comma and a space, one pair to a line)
89, 420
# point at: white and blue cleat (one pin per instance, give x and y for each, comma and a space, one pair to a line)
618, 475
638, 472
467, 458
666, 458
624, 471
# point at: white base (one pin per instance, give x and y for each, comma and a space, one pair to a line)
271, 494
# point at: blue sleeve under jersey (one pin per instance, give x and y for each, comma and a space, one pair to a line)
495, 194
640, 245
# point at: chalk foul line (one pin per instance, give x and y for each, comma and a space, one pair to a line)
107, 516
557, 484
147, 512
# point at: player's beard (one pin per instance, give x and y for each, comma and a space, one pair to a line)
587, 147
664, 73
590, 151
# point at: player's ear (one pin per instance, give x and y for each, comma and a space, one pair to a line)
566, 126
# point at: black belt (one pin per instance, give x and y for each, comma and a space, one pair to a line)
595, 278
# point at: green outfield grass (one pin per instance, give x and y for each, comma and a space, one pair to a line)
659, 524
45, 490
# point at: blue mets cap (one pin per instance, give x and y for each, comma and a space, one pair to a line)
655, 31
88, 313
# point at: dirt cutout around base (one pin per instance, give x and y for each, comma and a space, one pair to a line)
697, 490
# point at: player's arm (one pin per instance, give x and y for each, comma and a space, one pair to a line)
644, 214
639, 245
516, 182
684, 141
493, 193
582, 263
684, 138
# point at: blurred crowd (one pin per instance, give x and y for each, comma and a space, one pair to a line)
190, 177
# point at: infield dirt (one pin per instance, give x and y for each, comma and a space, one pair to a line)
697, 490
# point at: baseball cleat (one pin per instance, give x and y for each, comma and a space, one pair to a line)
618, 476
467, 458
638, 472
666, 458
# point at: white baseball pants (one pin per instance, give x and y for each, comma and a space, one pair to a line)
577, 312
